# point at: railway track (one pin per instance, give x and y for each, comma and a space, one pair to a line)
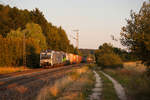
27, 86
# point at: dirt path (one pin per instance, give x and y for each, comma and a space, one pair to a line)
119, 89
98, 88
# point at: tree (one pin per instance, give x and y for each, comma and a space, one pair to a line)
35, 41
106, 47
136, 34
107, 58
40, 34
33, 31
63, 42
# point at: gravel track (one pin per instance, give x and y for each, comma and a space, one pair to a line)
96, 95
118, 87
27, 86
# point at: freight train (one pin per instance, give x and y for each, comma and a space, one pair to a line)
51, 58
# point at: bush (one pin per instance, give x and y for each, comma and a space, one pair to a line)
109, 60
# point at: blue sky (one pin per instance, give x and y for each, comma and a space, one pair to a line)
97, 20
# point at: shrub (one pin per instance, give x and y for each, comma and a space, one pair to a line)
109, 60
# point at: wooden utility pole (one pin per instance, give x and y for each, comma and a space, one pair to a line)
24, 50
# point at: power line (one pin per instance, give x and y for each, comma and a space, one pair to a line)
10, 1
5, 2
2, 2
114, 38
77, 38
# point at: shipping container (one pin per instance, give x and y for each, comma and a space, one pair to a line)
71, 58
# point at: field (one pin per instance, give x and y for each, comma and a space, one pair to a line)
137, 66
133, 79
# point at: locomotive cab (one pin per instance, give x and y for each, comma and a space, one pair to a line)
45, 58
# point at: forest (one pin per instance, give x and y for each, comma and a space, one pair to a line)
19, 26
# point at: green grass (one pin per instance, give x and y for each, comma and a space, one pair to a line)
108, 92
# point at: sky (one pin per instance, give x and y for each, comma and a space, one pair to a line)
96, 20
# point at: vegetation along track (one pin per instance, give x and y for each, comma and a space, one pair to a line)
2, 76
27, 87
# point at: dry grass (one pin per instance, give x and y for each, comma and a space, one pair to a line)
137, 66
21, 89
6, 70
70, 87
135, 82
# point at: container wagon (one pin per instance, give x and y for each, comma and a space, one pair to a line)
50, 58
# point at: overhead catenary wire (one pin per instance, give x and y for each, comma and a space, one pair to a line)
77, 38
6, 2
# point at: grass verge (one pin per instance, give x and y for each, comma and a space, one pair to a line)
7, 70
136, 84
136, 66
76, 85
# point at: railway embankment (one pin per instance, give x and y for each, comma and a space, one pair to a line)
76, 85
9, 70
27, 86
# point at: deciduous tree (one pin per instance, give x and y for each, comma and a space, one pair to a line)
136, 34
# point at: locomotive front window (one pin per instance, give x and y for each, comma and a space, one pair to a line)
48, 56
45, 56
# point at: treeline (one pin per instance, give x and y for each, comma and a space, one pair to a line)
88, 53
39, 34
108, 56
